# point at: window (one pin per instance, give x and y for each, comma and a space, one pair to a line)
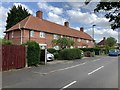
84, 46
31, 33
61, 36
43, 46
56, 47
79, 40
79, 46
12, 34
55, 36
87, 41
42, 34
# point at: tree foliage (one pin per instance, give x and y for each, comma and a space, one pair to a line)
110, 41
15, 15
63, 42
113, 11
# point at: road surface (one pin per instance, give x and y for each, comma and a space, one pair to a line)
95, 72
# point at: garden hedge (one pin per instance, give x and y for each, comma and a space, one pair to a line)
70, 54
33, 53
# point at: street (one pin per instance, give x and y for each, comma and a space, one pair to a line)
93, 72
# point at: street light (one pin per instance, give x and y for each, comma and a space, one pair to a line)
93, 31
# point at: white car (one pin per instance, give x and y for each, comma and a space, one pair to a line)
50, 56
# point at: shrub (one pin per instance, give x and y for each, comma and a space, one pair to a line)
33, 53
88, 54
6, 42
51, 50
70, 54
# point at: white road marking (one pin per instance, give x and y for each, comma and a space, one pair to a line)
68, 85
68, 67
95, 60
61, 69
95, 70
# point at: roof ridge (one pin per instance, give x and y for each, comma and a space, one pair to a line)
27, 21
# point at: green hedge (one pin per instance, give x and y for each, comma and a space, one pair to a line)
33, 53
6, 42
51, 50
70, 54
97, 51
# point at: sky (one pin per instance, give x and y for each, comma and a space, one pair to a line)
76, 13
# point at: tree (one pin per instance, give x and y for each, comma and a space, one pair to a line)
15, 15
63, 42
110, 41
113, 13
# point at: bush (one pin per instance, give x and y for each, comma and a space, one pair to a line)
51, 50
96, 50
70, 54
6, 42
88, 54
33, 53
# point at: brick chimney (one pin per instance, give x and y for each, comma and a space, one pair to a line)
66, 24
82, 29
104, 38
39, 14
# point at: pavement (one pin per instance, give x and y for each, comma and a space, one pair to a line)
93, 72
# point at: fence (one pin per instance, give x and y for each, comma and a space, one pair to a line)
13, 57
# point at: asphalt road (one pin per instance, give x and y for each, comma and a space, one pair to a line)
95, 72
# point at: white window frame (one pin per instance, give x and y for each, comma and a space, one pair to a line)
79, 40
79, 46
87, 41
61, 36
43, 46
32, 33
55, 36
42, 34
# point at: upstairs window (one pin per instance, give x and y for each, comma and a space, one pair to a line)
42, 34
31, 33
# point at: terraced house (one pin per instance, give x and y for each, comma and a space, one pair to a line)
43, 31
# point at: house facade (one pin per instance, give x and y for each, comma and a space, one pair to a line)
102, 43
43, 31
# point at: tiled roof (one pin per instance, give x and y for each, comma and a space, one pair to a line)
102, 42
38, 24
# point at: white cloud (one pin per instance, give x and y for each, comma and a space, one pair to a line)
76, 28
87, 18
56, 18
76, 5
3, 16
55, 10
24, 6
100, 33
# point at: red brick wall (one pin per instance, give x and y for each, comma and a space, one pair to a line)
15, 38
47, 40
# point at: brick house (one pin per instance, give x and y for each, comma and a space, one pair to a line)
102, 42
44, 31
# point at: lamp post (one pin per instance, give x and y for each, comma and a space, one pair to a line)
93, 31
